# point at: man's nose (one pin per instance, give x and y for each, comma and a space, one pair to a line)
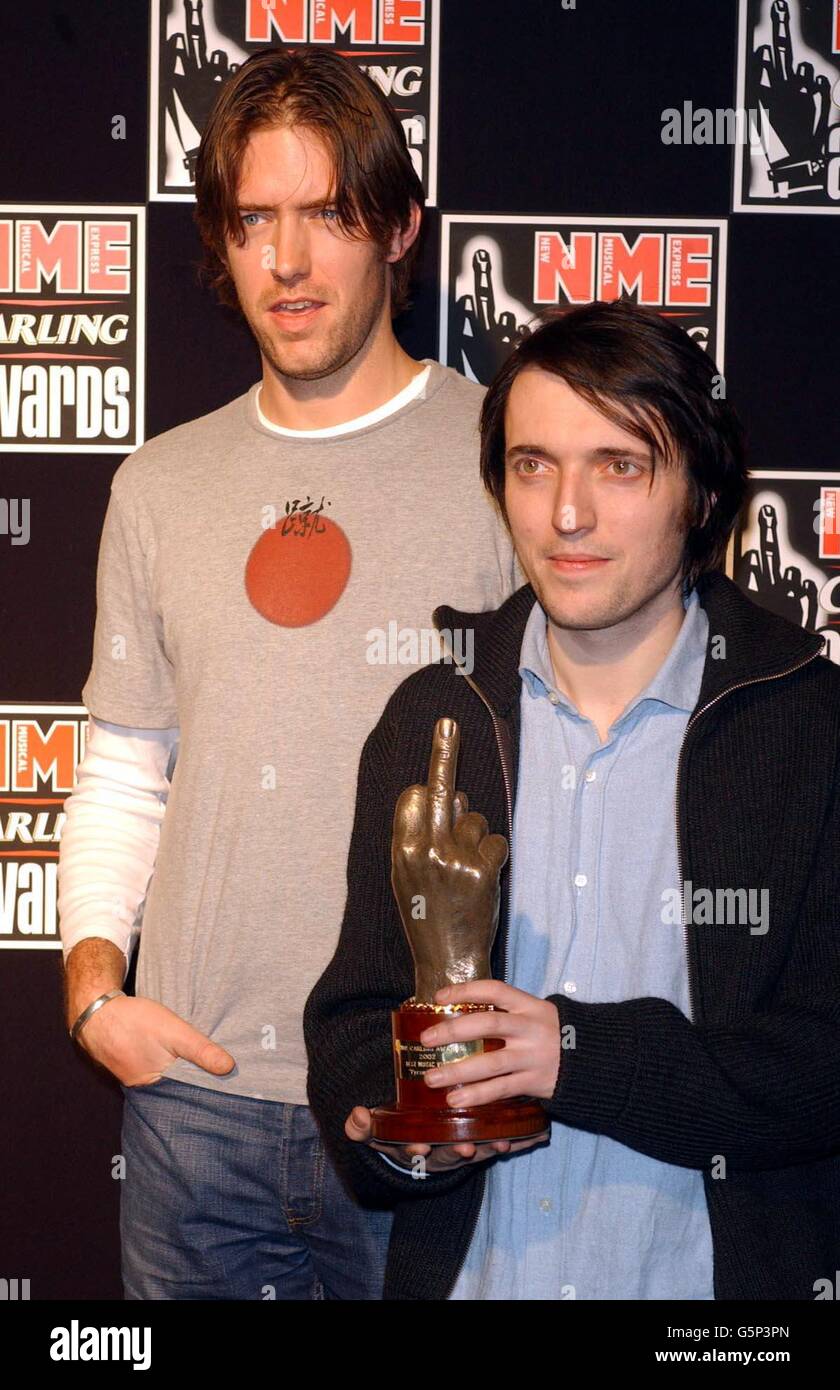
290, 249
572, 509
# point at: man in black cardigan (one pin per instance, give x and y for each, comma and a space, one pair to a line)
742, 1085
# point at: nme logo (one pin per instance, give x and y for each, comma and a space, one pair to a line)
40, 749
830, 521
75, 257
328, 21
661, 270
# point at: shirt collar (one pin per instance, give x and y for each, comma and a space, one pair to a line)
676, 683
414, 388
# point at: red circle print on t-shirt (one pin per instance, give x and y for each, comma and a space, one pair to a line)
298, 570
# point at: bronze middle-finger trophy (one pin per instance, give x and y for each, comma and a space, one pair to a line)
445, 871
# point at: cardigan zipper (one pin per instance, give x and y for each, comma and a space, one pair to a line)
507, 782
509, 807
737, 686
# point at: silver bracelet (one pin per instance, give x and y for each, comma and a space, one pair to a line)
91, 1009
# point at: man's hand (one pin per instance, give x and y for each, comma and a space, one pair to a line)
136, 1039
439, 1157
527, 1065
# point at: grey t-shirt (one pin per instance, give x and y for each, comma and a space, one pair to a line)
260, 592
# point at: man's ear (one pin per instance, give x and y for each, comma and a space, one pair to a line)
401, 241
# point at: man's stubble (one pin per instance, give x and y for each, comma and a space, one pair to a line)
346, 340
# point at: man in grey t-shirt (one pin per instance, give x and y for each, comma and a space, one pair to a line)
266, 573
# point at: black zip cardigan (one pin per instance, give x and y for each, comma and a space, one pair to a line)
752, 1077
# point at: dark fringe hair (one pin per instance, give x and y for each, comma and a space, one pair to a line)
648, 376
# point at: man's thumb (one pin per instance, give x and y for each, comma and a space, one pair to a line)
196, 1047
358, 1123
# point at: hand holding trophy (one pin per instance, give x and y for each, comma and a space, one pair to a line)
445, 871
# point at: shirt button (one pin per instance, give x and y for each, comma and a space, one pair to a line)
589, 776
545, 1204
570, 987
554, 697
580, 880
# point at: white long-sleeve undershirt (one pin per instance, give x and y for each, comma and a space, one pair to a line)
110, 838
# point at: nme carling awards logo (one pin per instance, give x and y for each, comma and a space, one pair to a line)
72, 309
40, 748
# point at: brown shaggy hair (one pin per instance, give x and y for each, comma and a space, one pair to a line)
374, 180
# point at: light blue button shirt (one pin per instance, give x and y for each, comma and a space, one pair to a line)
594, 850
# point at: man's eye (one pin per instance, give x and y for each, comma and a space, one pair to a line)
246, 215
523, 463
624, 464
329, 213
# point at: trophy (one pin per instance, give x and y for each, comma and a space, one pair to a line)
445, 875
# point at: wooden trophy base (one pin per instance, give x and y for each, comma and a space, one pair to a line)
421, 1115
506, 1119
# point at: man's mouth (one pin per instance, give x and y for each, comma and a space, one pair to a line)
570, 564
295, 306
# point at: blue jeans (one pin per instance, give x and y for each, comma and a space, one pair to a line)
228, 1197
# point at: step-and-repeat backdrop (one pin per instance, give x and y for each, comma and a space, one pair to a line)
687, 155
